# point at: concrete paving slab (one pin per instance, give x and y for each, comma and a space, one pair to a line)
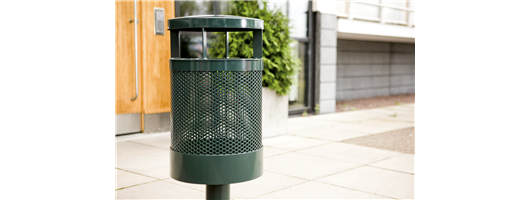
268, 151
387, 123
329, 134
291, 143
159, 190
198, 187
126, 150
366, 128
153, 165
162, 141
363, 112
402, 163
377, 181
409, 105
402, 112
278, 140
349, 153
348, 117
399, 118
126, 179
316, 190
267, 183
400, 107
292, 128
305, 166
313, 122
395, 114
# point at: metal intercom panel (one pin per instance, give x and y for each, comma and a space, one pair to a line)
159, 21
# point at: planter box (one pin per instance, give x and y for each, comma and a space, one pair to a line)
274, 113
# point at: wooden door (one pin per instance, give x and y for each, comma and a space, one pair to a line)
128, 112
154, 54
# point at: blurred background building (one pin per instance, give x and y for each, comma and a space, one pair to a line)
348, 49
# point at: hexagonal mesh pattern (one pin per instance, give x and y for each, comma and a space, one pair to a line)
215, 112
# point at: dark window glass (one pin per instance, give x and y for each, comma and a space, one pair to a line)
191, 44
297, 95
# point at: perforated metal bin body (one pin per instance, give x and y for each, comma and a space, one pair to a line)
216, 134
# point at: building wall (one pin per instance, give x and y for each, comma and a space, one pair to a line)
325, 61
369, 69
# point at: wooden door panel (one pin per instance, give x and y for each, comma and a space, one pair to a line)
154, 51
125, 64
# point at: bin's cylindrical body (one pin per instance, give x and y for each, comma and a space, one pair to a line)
216, 122
215, 106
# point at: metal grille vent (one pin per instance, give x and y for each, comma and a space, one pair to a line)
215, 112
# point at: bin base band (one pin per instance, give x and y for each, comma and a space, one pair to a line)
216, 169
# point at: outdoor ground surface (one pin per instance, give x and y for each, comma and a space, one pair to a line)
362, 154
374, 102
398, 140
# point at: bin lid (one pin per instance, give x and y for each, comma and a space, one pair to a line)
215, 23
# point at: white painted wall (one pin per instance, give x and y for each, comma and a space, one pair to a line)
375, 29
325, 6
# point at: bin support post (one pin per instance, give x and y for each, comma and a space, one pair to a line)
218, 192
204, 45
227, 46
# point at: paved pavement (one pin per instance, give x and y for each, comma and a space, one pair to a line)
310, 162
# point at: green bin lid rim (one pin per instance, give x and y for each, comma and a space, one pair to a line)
215, 21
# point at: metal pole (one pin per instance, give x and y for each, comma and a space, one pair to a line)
227, 46
218, 192
204, 45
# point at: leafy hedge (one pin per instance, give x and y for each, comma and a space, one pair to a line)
280, 63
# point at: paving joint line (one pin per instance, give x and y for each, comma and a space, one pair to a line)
356, 190
316, 180
282, 188
164, 180
145, 145
367, 165
287, 175
340, 142
307, 154
137, 173
310, 147
137, 185
313, 138
362, 165
391, 170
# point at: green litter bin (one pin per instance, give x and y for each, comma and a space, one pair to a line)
215, 108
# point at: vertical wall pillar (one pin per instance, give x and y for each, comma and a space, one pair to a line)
325, 61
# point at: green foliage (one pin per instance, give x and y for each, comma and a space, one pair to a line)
317, 109
280, 63
304, 114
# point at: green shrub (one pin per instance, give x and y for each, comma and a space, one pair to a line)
280, 63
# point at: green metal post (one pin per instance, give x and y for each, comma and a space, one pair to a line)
204, 45
258, 43
227, 45
218, 192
